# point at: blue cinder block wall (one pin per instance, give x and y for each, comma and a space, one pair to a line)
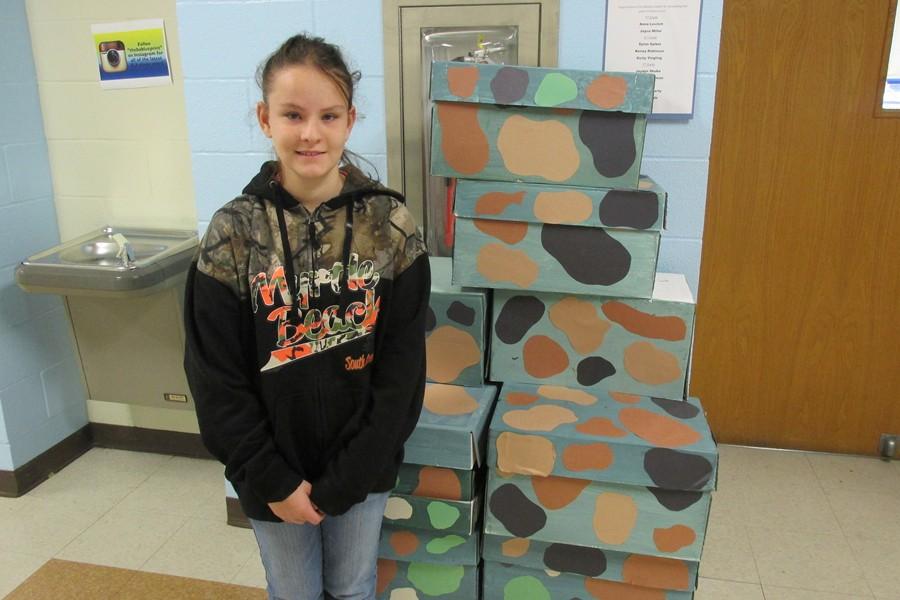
222, 43
42, 398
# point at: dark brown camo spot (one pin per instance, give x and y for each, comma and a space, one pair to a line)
509, 85
517, 316
610, 138
677, 408
675, 500
674, 470
626, 208
516, 512
430, 320
460, 313
594, 369
575, 559
588, 254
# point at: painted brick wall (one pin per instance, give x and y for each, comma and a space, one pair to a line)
42, 398
227, 148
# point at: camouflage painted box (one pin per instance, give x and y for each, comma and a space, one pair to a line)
603, 436
399, 580
609, 516
452, 429
632, 345
514, 582
515, 123
435, 482
432, 514
417, 545
559, 239
456, 330
634, 569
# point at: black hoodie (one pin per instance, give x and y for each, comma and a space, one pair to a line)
311, 368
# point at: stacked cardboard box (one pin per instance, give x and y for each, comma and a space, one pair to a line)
430, 543
599, 469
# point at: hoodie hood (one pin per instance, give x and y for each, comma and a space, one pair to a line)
357, 187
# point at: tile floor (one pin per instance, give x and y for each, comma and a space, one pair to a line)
784, 525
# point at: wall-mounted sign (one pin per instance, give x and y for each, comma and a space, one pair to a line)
132, 54
659, 37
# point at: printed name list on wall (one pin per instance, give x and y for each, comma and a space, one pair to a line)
658, 37
132, 54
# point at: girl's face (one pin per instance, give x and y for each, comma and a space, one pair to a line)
308, 120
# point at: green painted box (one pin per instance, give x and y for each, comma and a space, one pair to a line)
603, 436
634, 569
399, 580
608, 516
435, 482
417, 545
554, 238
632, 345
513, 582
456, 329
544, 125
452, 428
433, 514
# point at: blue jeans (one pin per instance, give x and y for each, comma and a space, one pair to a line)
335, 559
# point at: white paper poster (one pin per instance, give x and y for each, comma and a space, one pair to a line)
659, 37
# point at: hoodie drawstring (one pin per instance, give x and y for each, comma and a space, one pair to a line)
344, 279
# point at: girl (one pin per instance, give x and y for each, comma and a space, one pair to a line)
305, 318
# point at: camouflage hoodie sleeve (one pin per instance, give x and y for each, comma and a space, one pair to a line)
398, 379
220, 363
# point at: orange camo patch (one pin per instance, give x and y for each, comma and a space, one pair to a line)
494, 203
600, 426
557, 492
438, 482
656, 572
673, 539
461, 81
404, 543
386, 571
613, 590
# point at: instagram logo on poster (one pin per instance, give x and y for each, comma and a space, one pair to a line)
112, 57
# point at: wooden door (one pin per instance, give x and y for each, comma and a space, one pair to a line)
798, 320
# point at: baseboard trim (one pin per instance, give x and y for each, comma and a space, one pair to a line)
20, 481
235, 513
139, 439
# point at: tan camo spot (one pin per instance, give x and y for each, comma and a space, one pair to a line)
449, 351
497, 263
544, 417
525, 454
607, 91
615, 516
568, 207
449, 400
578, 319
601, 589
558, 392
538, 148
